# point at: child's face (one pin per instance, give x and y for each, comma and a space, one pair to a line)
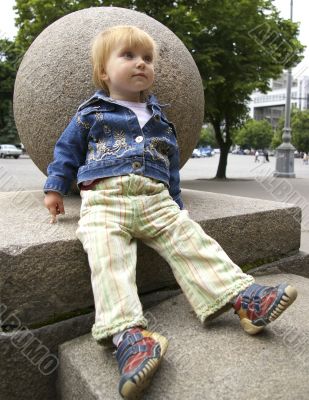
128, 72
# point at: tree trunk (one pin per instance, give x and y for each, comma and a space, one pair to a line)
224, 148
224, 151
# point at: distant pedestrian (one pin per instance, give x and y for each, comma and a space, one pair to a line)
305, 158
257, 156
266, 155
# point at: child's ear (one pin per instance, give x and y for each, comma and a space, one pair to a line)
104, 76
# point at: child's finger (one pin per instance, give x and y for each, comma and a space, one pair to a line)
53, 219
53, 212
61, 208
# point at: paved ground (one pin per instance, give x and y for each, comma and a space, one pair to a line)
249, 179
245, 178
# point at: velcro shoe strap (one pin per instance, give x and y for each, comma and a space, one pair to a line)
130, 340
123, 358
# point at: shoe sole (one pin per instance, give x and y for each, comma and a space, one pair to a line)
288, 297
134, 390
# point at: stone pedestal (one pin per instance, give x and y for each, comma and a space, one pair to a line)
45, 290
44, 274
285, 161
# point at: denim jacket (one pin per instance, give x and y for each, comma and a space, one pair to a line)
104, 139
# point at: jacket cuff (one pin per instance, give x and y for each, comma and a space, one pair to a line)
178, 200
56, 184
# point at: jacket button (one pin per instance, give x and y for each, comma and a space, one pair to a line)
139, 139
136, 165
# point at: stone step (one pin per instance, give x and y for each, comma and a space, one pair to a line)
217, 361
44, 275
29, 357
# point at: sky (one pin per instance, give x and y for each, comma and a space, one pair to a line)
300, 10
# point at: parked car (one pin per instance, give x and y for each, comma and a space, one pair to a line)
21, 147
196, 153
297, 154
206, 151
238, 151
9, 150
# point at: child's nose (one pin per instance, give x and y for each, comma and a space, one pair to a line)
140, 62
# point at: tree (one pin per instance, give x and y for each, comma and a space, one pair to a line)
207, 137
254, 134
300, 130
9, 61
277, 138
8, 132
33, 16
237, 45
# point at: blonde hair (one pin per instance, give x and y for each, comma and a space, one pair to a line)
104, 43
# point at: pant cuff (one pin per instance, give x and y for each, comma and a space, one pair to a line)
100, 333
206, 310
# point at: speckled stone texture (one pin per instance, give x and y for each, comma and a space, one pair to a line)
44, 273
55, 77
218, 361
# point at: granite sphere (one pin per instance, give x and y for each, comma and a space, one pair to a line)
55, 77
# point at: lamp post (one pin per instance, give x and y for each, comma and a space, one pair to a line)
285, 152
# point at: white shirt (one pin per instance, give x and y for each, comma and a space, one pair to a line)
140, 109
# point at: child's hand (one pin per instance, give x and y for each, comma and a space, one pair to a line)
54, 203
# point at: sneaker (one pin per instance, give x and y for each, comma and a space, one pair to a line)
259, 305
139, 354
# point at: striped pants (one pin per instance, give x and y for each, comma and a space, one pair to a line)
121, 209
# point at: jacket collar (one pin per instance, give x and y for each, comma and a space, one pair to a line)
102, 95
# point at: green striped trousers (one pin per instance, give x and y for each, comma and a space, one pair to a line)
120, 210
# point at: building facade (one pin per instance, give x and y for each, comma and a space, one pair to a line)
271, 105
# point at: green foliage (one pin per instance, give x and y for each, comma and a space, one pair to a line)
207, 137
236, 52
277, 138
9, 61
254, 134
8, 132
300, 130
33, 16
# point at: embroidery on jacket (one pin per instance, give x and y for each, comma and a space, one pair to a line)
169, 131
85, 125
158, 149
107, 129
120, 141
100, 149
90, 154
99, 116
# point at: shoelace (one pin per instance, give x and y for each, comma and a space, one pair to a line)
254, 293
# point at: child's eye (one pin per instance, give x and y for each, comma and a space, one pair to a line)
148, 59
128, 55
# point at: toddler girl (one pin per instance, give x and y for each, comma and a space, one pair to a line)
124, 154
